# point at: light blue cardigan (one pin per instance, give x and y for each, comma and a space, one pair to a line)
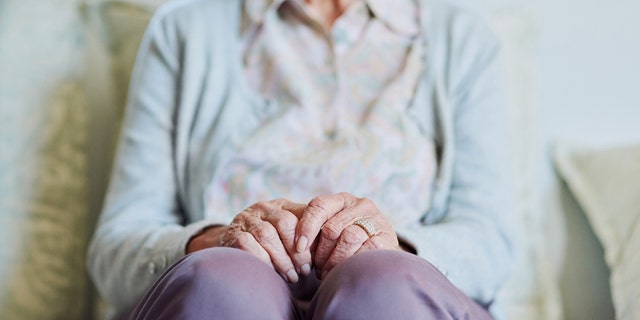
189, 105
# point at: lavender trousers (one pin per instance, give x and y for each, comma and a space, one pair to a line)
223, 283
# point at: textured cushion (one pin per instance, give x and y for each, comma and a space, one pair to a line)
123, 26
605, 184
43, 214
532, 291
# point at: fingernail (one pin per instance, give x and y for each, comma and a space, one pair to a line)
293, 276
324, 274
305, 270
302, 244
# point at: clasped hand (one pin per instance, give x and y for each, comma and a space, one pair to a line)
293, 237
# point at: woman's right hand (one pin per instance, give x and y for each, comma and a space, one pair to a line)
266, 230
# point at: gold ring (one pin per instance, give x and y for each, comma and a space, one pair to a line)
367, 226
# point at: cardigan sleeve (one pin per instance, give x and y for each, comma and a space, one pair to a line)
473, 245
140, 231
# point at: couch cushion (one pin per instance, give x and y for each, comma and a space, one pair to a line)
43, 213
605, 184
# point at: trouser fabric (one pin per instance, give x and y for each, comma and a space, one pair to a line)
225, 283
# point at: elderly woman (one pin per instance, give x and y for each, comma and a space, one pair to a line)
280, 159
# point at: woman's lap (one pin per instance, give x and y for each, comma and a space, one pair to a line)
224, 283
219, 283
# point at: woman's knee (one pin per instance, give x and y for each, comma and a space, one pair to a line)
218, 281
377, 271
227, 268
388, 284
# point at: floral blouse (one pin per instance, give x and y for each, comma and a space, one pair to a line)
339, 99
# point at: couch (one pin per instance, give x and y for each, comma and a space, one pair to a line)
64, 68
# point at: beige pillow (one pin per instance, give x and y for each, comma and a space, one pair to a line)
122, 25
606, 184
44, 223
532, 291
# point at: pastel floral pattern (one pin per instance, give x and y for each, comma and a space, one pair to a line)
342, 123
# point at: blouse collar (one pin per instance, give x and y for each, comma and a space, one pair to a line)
399, 15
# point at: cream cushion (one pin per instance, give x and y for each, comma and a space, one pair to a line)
606, 185
532, 291
44, 223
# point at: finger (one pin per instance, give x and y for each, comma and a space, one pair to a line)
267, 236
350, 241
284, 216
318, 211
382, 241
361, 208
326, 243
236, 238
296, 208
333, 228
285, 224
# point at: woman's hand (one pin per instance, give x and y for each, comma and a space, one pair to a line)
327, 227
266, 230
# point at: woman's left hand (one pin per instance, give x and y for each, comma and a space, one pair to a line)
334, 226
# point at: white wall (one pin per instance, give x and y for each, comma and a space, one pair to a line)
589, 94
589, 58
590, 68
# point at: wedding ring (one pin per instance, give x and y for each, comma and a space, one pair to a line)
367, 226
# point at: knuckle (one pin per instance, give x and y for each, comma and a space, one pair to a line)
264, 234
226, 241
242, 240
319, 203
277, 202
366, 203
345, 195
230, 240
286, 222
229, 237
331, 230
280, 201
301, 258
352, 236
251, 211
240, 217
260, 206
237, 220
349, 200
